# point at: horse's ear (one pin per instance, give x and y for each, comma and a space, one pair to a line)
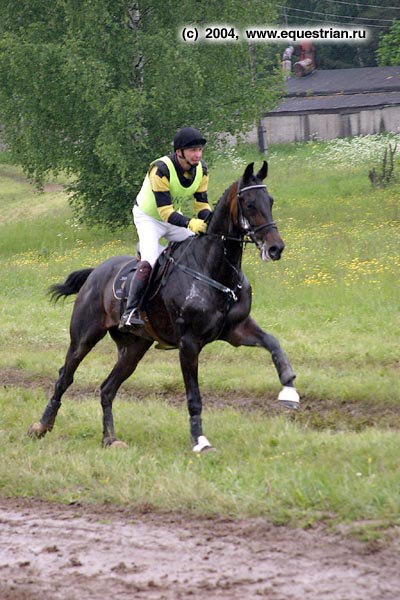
248, 172
262, 173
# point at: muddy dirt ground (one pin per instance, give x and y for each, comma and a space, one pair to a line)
316, 413
54, 552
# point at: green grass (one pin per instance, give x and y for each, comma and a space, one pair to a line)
271, 468
332, 301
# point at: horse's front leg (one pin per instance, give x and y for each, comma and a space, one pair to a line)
248, 333
189, 351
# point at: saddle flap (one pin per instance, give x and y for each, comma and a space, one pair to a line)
123, 278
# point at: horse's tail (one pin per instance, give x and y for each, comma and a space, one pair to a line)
71, 285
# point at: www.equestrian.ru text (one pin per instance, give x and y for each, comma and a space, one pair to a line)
269, 35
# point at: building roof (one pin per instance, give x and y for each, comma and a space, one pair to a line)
341, 90
346, 81
337, 102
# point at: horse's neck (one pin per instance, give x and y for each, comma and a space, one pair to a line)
222, 222
225, 254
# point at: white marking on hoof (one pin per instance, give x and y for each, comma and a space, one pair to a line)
289, 397
202, 444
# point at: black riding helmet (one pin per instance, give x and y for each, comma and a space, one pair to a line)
188, 137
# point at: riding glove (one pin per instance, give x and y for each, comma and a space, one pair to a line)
197, 225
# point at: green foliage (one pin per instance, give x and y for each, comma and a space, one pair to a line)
97, 89
387, 174
388, 52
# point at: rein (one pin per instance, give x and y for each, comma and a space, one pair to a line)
201, 277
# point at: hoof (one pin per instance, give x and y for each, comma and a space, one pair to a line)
202, 445
37, 430
116, 444
289, 398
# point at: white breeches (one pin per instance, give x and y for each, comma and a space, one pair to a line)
151, 230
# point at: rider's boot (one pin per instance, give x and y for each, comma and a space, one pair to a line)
131, 317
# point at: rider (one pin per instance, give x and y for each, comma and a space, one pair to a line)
169, 182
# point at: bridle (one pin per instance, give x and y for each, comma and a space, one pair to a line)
242, 223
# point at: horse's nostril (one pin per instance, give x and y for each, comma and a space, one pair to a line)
275, 252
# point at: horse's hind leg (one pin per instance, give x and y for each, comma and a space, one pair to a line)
78, 349
248, 333
131, 350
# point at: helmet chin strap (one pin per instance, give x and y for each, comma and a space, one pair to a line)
185, 159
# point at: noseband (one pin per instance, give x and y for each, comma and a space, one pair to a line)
240, 218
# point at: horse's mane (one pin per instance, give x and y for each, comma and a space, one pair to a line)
222, 201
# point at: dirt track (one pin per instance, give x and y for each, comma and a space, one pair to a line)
52, 552
317, 413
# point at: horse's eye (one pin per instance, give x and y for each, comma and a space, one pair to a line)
272, 200
251, 205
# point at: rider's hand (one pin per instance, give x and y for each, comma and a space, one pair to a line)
197, 225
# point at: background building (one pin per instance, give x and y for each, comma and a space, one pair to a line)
335, 103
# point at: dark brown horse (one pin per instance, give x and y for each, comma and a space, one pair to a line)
204, 297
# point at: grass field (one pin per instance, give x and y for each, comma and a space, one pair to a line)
332, 301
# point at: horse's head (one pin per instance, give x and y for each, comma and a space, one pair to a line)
254, 213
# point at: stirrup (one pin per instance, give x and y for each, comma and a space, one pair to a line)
130, 320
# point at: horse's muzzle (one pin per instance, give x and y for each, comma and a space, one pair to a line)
272, 252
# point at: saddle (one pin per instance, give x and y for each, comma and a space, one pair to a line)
122, 282
123, 278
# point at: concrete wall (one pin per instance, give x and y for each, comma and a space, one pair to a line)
279, 129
